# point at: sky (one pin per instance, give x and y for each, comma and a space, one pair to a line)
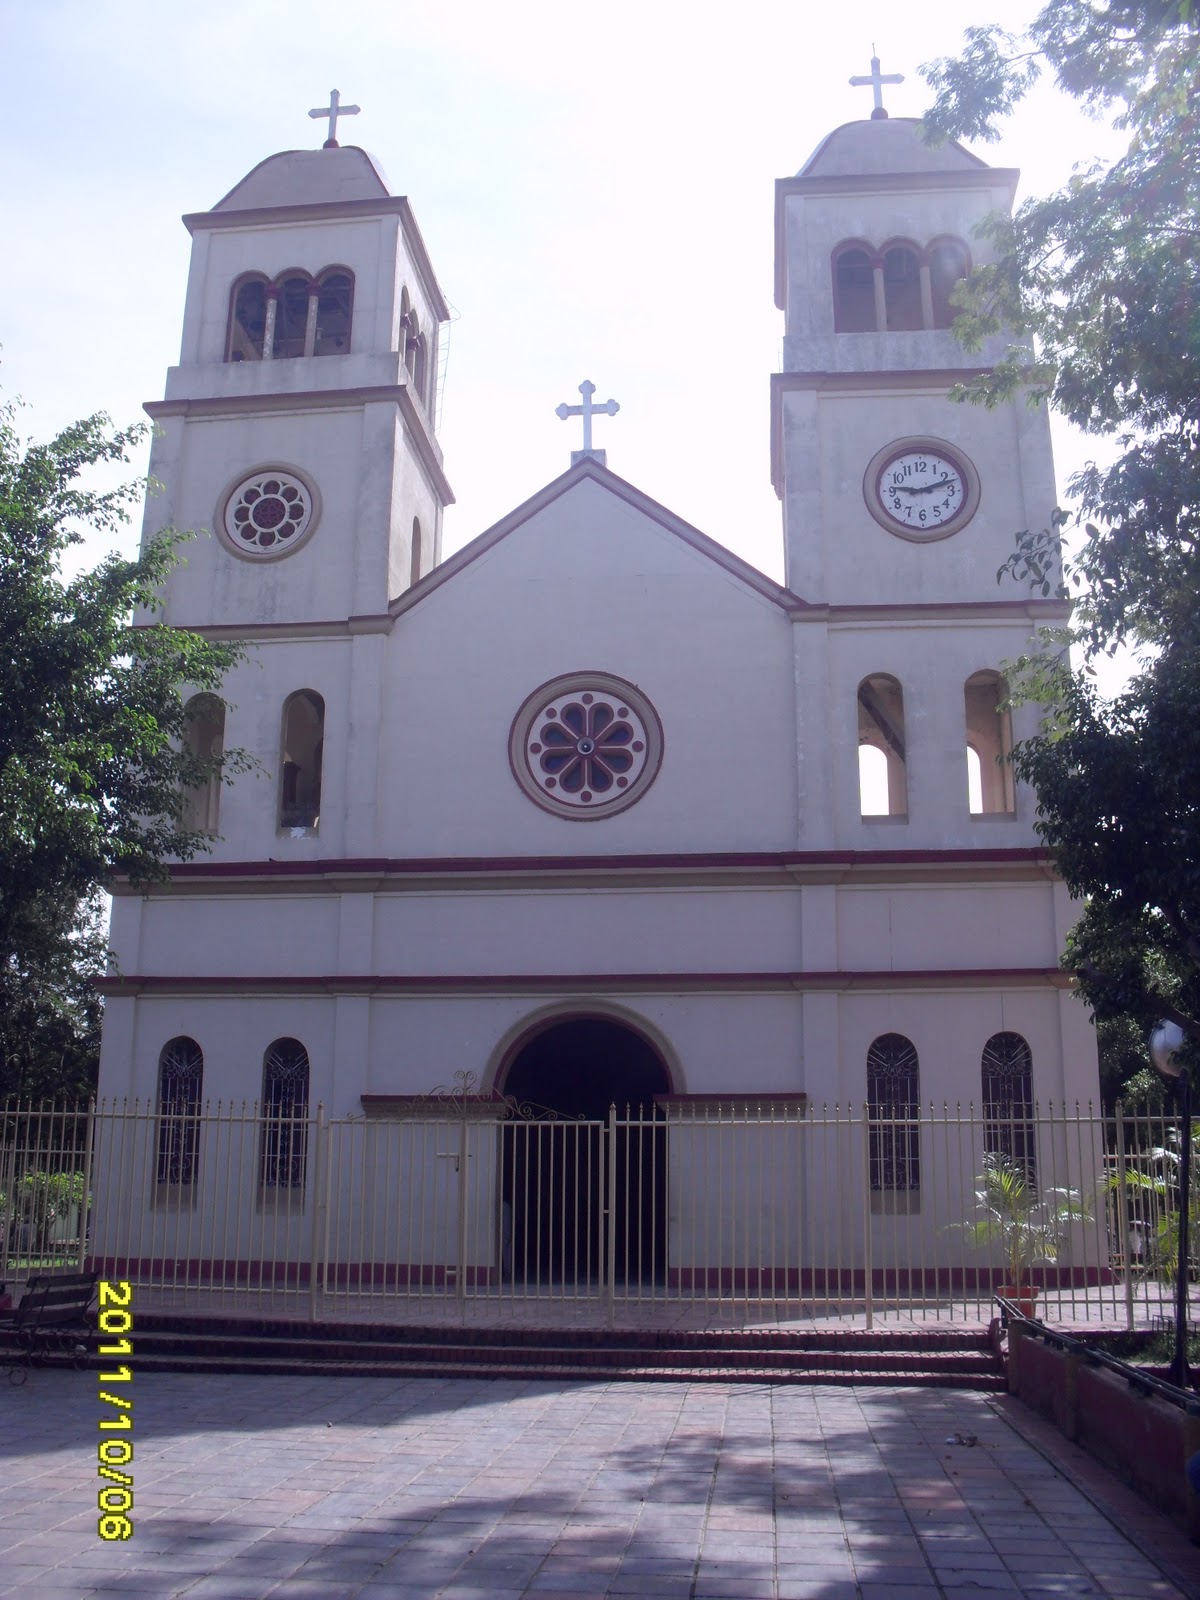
594, 185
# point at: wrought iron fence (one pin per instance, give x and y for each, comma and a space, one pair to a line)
468, 1204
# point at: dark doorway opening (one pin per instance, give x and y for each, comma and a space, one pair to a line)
560, 1176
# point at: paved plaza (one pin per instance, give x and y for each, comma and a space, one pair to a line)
409, 1489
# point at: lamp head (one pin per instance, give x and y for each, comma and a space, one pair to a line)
1166, 1042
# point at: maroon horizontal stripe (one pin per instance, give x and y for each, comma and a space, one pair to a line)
591, 982
764, 860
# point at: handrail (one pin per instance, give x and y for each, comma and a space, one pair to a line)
1141, 1381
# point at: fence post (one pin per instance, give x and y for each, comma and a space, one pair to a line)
610, 1213
461, 1276
1123, 1214
318, 1221
85, 1204
868, 1264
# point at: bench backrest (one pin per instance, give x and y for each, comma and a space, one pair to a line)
59, 1301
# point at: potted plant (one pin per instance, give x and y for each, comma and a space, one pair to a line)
1029, 1225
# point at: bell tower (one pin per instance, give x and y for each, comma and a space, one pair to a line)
299, 427
890, 489
900, 505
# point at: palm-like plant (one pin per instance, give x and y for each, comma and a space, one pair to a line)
1029, 1224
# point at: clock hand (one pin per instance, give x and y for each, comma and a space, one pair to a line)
921, 488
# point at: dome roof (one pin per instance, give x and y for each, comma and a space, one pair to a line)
308, 177
885, 145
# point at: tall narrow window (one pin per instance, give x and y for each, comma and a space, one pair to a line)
990, 788
948, 264
414, 570
902, 289
893, 1107
420, 368
204, 740
247, 321
408, 332
1008, 1110
853, 291
335, 297
301, 757
882, 772
284, 1149
291, 318
180, 1082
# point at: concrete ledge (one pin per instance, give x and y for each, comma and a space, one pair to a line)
1142, 1439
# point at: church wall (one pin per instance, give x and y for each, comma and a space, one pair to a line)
877, 216
830, 440
317, 580
307, 246
931, 659
590, 583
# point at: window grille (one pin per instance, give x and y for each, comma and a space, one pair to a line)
285, 1115
893, 1106
180, 1082
1009, 1128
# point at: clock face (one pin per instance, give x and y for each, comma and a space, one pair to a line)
921, 489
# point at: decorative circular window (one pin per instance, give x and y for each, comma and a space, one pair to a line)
586, 745
269, 512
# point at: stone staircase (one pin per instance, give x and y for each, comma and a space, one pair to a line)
954, 1358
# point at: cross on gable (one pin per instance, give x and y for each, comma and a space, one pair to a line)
587, 411
333, 111
876, 80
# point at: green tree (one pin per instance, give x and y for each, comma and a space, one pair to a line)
94, 762
1098, 288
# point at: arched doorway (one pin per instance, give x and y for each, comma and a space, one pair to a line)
570, 1200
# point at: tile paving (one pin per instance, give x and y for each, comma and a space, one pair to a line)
389, 1489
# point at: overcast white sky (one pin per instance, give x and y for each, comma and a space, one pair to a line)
594, 183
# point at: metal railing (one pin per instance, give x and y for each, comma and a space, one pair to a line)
466, 1204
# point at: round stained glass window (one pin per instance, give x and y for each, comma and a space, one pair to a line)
268, 513
586, 745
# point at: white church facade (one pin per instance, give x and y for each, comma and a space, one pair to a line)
582, 811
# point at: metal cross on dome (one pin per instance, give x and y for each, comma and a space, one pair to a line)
333, 111
876, 80
587, 411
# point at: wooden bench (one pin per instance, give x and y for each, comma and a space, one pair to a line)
53, 1316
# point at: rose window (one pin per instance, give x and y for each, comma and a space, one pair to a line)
268, 513
586, 745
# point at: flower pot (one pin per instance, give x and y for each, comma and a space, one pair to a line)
1024, 1299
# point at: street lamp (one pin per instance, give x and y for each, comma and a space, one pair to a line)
1165, 1044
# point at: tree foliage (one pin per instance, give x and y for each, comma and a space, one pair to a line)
1097, 288
94, 764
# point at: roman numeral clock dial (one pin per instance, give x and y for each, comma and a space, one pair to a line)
921, 489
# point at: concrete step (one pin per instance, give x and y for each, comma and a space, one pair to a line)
174, 1342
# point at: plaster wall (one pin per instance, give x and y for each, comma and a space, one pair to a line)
589, 582
838, 553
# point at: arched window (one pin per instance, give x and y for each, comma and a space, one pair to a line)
948, 263
247, 320
902, 288
284, 1115
204, 740
989, 740
853, 290
291, 316
420, 368
1008, 1123
408, 332
414, 568
180, 1083
881, 729
893, 1107
300, 761
335, 309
